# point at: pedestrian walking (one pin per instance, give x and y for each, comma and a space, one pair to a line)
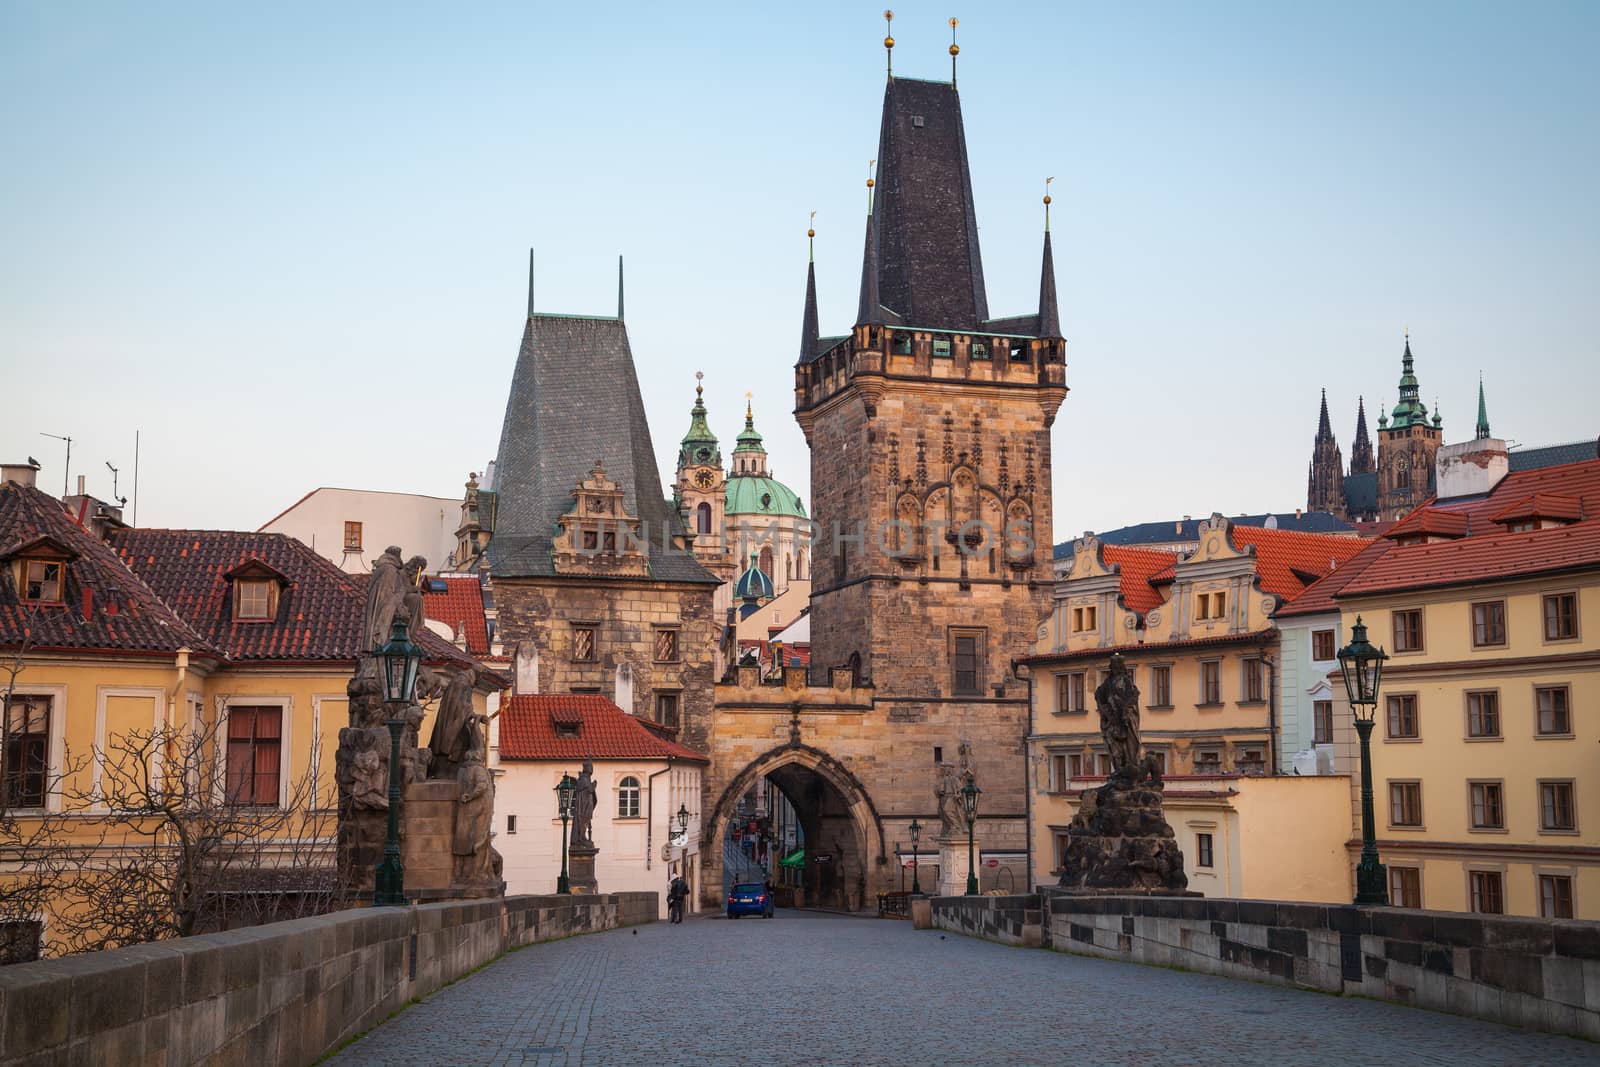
677, 893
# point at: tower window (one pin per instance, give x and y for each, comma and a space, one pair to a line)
703, 518
941, 347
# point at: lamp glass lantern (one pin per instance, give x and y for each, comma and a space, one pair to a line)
400, 658
969, 800
683, 818
1362, 665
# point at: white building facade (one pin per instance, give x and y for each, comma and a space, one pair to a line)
351, 527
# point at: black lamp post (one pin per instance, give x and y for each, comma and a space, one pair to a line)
399, 659
969, 808
564, 790
683, 821
1362, 665
915, 830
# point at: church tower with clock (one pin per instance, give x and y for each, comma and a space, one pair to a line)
699, 488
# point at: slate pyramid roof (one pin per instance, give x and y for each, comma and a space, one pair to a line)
574, 400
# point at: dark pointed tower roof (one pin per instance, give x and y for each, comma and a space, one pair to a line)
1049, 314
808, 318
575, 399
923, 232
1361, 459
869, 310
1324, 426
699, 438
1325, 479
1482, 431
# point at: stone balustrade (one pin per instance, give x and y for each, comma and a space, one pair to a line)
1540, 973
285, 993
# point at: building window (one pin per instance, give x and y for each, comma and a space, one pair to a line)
1560, 616
1203, 851
1322, 722
1555, 709
1210, 605
1210, 682
352, 537
253, 600
702, 518
1489, 623
1487, 805
1058, 772
1408, 630
591, 540
1071, 692
1250, 761
628, 798
1402, 717
967, 662
1102, 764
255, 736
1555, 896
1405, 803
27, 751
1160, 757
666, 645
1252, 688
980, 350
941, 347
1322, 645
1405, 887
1208, 762
511, 824
667, 709
1488, 892
1558, 813
583, 644
1074, 765
1483, 713
41, 581
1085, 619
1160, 687
1062, 843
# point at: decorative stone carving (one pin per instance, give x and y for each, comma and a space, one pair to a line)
455, 727
474, 817
585, 798
952, 820
1120, 839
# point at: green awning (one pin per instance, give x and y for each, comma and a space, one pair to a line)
797, 858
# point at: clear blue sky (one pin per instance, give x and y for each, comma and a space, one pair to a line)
289, 242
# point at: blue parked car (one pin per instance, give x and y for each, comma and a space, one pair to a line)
749, 898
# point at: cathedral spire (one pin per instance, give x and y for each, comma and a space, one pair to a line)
1325, 480
1361, 461
1324, 427
1049, 312
1410, 410
808, 320
1482, 430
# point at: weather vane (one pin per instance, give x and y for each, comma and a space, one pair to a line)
955, 50
1047, 182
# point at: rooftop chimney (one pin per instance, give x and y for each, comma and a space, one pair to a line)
24, 474
526, 681
1471, 468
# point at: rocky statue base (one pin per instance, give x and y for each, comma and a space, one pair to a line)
1120, 840
580, 868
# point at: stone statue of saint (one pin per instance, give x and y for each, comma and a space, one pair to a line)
584, 800
1118, 700
952, 819
473, 818
413, 575
385, 593
453, 732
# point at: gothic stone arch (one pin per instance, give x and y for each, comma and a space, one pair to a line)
867, 824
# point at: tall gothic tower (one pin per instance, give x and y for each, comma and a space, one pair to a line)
1361, 461
929, 426
1406, 447
1325, 485
698, 491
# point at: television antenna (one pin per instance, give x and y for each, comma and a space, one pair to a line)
67, 473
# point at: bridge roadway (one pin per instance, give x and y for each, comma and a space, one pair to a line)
815, 989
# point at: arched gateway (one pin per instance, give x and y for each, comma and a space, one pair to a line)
842, 830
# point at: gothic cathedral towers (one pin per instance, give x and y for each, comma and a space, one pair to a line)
1407, 445
929, 426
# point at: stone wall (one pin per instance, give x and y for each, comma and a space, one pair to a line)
1540, 973
284, 993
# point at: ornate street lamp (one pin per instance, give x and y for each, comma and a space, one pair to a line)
399, 659
916, 834
969, 808
1362, 665
564, 791
683, 820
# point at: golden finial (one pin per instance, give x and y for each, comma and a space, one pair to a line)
870, 183
699, 389
812, 231
888, 41
955, 50
1047, 182
749, 412
811, 238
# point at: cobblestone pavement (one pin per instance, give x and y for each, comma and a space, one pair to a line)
815, 989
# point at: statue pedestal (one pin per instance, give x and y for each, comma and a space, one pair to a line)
1120, 840
580, 868
953, 865
425, 827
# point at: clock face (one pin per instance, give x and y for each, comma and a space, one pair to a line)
1400, 464
704, 479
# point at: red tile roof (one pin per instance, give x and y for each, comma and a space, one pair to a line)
321, 609
105, 606
1541, 506
1287, 562
1435, 522
1253, 637
1137, 568
605, 731
1488, 552
1318, 597
460, 607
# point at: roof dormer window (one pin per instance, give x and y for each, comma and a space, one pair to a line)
252, 600
41, 581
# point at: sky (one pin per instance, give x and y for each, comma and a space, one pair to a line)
287, 245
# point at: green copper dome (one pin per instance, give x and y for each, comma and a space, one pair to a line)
699, 445
753, 584
760, 495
